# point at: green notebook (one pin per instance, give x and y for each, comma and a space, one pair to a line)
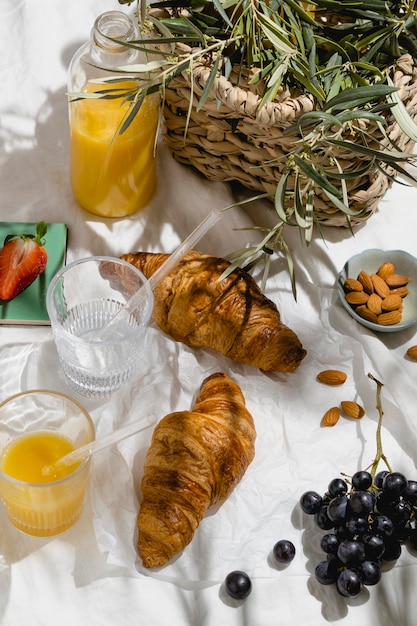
29, 307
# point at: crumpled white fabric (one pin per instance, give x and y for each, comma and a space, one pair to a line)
293, 452
92, 574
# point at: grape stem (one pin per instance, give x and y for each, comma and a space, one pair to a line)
379, 451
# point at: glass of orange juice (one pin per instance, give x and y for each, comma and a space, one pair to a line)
36, 429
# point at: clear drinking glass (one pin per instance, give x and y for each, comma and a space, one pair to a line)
38, 427
81, 300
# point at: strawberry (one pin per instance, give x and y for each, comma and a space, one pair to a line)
22, 259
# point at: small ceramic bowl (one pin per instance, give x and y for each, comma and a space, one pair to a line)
370, 261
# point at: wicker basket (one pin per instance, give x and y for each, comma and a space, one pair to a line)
232, 139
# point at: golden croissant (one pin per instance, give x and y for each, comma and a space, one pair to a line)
194, 461
231, 316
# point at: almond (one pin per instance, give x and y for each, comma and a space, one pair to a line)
412, 353
386, 269
380, 286
356, 297
332, 377
331, 417
397, 280
367, 314
365, 279
352, 409
391, 302
400, 291
375, 303
351, 284
389, 318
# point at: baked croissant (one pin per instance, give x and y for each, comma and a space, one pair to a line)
194, 461
231, 316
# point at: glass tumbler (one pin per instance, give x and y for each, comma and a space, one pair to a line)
81, 300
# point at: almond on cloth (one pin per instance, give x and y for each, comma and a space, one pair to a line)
412, 353
331, 417
352, 409
332, 377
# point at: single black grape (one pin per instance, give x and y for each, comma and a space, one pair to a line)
384, 503
382, 525
374, 546
394, 484
379, 478
336, 509
238, 584
351, 551
329, 543
392, 550
326, 572
370, 572
356, 525
402, 532
322, 520
311, 502
349, 583
284, 551
337, 487
361, 480
400, 512
410, 492
341, 532
361, 503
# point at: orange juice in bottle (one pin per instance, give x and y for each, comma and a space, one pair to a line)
112, 173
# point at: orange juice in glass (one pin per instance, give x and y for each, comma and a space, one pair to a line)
36, 429
113, 173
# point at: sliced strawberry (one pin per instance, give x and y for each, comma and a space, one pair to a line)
22, 259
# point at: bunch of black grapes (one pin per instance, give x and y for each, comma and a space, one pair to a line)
366, 523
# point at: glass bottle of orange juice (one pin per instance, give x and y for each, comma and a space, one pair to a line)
112, 170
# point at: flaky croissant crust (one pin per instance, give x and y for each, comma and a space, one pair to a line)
231, 316
195, 460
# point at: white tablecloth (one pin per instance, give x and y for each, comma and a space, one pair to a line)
91, 574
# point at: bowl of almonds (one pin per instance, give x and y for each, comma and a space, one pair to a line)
378, 288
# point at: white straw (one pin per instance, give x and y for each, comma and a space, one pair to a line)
156, 278
82, 453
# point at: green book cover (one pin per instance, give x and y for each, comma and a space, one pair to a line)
29, 307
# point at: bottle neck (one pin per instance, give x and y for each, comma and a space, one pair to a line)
110, 26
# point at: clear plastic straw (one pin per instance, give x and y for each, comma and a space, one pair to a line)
82, 453
156, 278
184, 247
